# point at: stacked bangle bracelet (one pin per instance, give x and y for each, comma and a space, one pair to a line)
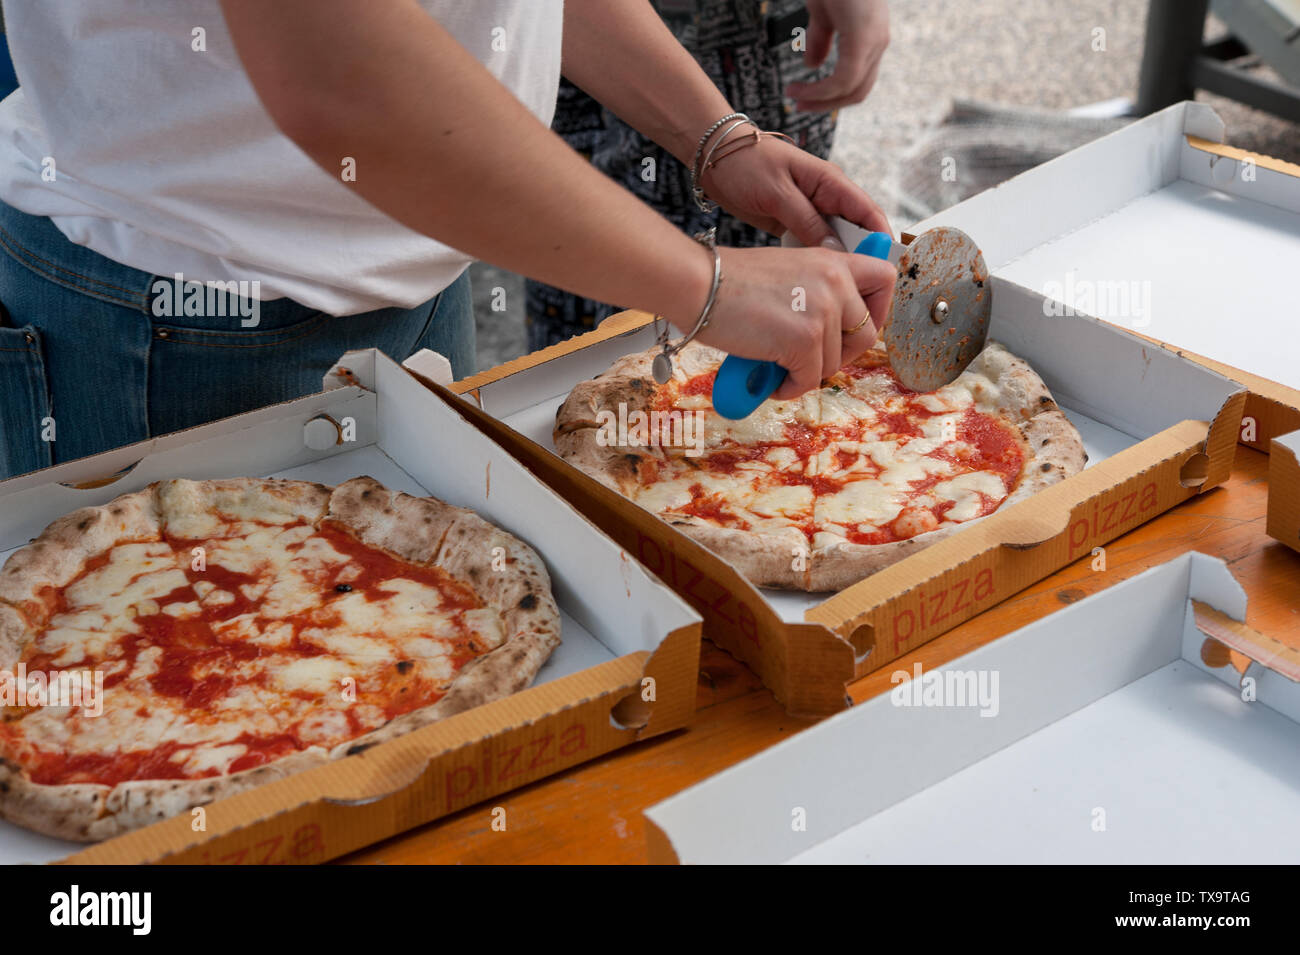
704, 161
662, 367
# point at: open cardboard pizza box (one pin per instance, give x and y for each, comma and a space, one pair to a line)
1143, 724
1158, 428
1163, 229
626, 670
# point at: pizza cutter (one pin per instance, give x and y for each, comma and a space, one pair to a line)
939, 320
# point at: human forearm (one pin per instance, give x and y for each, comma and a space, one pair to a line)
440, 145
621, 53
468, 165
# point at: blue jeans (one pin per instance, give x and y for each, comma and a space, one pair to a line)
88, 364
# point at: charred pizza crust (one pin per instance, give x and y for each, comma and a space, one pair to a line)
997, 379
419, 530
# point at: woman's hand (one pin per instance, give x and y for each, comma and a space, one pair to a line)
776, 186
863, 30
801, 308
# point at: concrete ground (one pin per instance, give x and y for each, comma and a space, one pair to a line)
1032, 53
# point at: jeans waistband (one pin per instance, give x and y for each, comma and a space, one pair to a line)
37, 243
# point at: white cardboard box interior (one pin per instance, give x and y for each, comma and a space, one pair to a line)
1203, 247
609, 604
1108, 740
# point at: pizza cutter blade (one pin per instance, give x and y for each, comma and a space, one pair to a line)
941, 307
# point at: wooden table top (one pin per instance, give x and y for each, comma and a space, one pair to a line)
592, 814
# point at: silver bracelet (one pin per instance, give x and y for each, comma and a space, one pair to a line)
662, 367
702, 202
699, 151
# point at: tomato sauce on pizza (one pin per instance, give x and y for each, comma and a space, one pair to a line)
194, 650
885, 413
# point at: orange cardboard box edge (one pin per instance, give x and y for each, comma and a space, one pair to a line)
326, 812
1284, 490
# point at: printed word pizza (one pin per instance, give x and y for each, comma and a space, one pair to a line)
816, 493
241, 630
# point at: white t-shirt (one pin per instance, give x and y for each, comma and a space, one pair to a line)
165, 160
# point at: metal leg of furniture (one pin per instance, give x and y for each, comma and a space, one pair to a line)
1216, 77
1173, 43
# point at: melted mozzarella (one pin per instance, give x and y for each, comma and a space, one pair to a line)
131, 568
676, 493
199, 761
321, 676
278, 689
878, 475
793, 500
965, 491
783, 458
69, 645
845, 409
860, 502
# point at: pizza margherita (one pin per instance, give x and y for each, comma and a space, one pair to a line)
240, 630
818, 492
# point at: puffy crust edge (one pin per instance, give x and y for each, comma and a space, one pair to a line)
56, 556
765, 560
89, 812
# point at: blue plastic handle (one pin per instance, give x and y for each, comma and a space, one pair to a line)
876, 245
743, 384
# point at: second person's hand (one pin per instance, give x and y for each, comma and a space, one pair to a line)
860, 28
777, 187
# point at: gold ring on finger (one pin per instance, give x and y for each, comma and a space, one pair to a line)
865, 318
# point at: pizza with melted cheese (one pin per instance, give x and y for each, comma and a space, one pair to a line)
820, 491
231, 632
